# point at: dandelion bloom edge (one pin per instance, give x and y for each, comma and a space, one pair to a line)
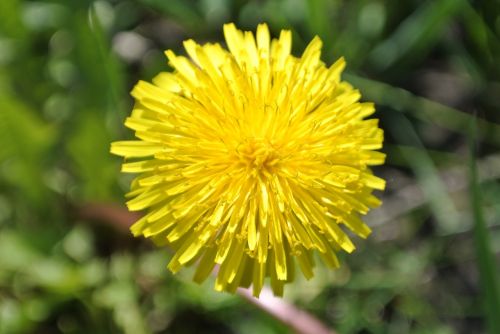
249, 159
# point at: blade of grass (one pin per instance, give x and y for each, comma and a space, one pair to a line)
486, 42
396, 155
410, 197
416, 34
489, 281
489, 10
319, 22
110, 64
424, 109
102, 86
427, 175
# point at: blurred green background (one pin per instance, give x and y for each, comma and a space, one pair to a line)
66, 67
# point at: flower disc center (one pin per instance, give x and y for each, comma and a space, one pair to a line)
257, 154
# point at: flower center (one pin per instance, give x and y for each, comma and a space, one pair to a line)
258, 155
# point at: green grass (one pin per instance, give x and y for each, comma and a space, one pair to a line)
488, 270
432, 70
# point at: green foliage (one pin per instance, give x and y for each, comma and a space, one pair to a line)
416, 35
88, 147
66, 69
26, 141
490, 282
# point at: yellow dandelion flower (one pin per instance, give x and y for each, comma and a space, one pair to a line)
250, 159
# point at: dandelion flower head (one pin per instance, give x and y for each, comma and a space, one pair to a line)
250, 160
